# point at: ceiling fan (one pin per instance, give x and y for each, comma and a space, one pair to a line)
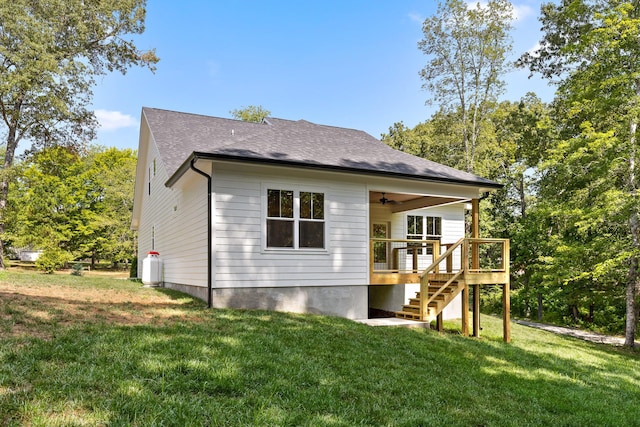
384, 200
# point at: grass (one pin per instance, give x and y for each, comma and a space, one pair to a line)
80, 351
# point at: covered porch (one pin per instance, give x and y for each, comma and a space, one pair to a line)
441, 266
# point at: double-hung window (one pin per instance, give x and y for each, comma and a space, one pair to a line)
415, 231
295, 219
433, 227
424, 228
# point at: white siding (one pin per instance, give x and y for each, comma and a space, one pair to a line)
452, 221
179, 218
452, 227
240, 257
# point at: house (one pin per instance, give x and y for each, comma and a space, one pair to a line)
295, 216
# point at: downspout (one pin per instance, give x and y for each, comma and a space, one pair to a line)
209, 232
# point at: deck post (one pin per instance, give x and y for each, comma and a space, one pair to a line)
506, 317
475, 263
465, 310
475, 234
476, 311
506, 294
439, 323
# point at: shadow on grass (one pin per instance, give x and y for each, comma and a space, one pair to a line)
177, 295
265, 368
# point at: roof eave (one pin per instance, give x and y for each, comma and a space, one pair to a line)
484, 186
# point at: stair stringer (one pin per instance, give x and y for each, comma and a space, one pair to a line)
435, 309
440, 302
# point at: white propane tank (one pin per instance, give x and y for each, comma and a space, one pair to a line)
152, 269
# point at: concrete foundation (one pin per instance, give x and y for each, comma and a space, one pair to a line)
196, 291
343, 301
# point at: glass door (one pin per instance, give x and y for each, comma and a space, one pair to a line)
380, 230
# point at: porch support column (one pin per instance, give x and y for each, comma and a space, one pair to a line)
465, 310
476, 311
506, 317
506, 295
475, 263
475, 218
439, 323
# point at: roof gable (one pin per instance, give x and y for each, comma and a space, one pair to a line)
180, 136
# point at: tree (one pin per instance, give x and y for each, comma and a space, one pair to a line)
74, 205
591, 49
523, 132
251, 113
467, 47
108, 182
46, 201
50, 54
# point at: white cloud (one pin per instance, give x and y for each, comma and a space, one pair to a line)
113, 120
415, 17
533, 51
522, 11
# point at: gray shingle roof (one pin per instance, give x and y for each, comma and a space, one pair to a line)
179, 136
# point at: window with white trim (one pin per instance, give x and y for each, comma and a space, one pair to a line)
424, 228
295, 219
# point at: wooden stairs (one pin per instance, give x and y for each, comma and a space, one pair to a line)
443, 296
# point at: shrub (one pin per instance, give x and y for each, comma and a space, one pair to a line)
133, 270
53, 259
77, 269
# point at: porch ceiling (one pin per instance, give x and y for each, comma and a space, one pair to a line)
399, 202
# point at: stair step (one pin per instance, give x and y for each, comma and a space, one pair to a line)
407, 315
449, 288
411, 308
417, 303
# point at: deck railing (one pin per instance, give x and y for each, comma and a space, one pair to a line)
395, 261
400, 261
482, 261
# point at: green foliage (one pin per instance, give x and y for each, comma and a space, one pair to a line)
251, 113
77, 269
570, 170
133, 269
467, 49
590, 179
50, 55
80, 203
53, 259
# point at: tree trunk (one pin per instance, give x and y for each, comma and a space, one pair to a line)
12, 143
539, 306
633, 286
523, 201
574, 313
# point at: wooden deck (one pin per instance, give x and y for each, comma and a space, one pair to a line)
468, 263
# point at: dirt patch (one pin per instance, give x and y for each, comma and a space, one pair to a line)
41, 310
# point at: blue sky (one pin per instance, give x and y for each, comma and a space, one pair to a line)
348, 63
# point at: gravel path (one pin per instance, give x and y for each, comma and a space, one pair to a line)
577, 333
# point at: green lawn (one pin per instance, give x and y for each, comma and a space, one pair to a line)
152, 357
